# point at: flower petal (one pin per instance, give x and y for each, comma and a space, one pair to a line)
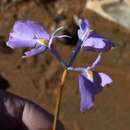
97, 61
84, 30
89, 88
105, 79
96, 83
35, 51
30, 29
83, 24
97, 43
16, 43
87, 98
24, 34
93, 43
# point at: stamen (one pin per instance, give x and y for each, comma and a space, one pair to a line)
62, 36
54, 35
57, 30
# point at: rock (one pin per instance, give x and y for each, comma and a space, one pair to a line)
114, 10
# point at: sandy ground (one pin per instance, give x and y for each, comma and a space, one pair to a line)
37, 78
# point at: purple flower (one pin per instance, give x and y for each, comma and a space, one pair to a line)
90, 84
27, 34
91, 40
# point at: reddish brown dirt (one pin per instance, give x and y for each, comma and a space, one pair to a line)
37, 78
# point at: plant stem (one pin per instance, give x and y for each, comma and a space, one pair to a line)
74, 53
57, 56
58, 103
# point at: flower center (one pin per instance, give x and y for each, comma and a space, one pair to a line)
43, 42
90, 75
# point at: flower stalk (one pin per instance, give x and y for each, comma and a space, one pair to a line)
74, 53
57, 56
59, 98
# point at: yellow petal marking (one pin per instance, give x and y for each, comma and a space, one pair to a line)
91, 30
44, 42
90, 75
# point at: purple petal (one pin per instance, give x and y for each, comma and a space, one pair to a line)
98, 59
96, 83
35, 51
97, 43
93, 44
105, 79
80, 33
16, 43
84, 30
88, 89
84, 24
30, 29
87, 99
24, 34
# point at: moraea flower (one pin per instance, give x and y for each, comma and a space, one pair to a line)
90, 84
27, 34
91, 40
